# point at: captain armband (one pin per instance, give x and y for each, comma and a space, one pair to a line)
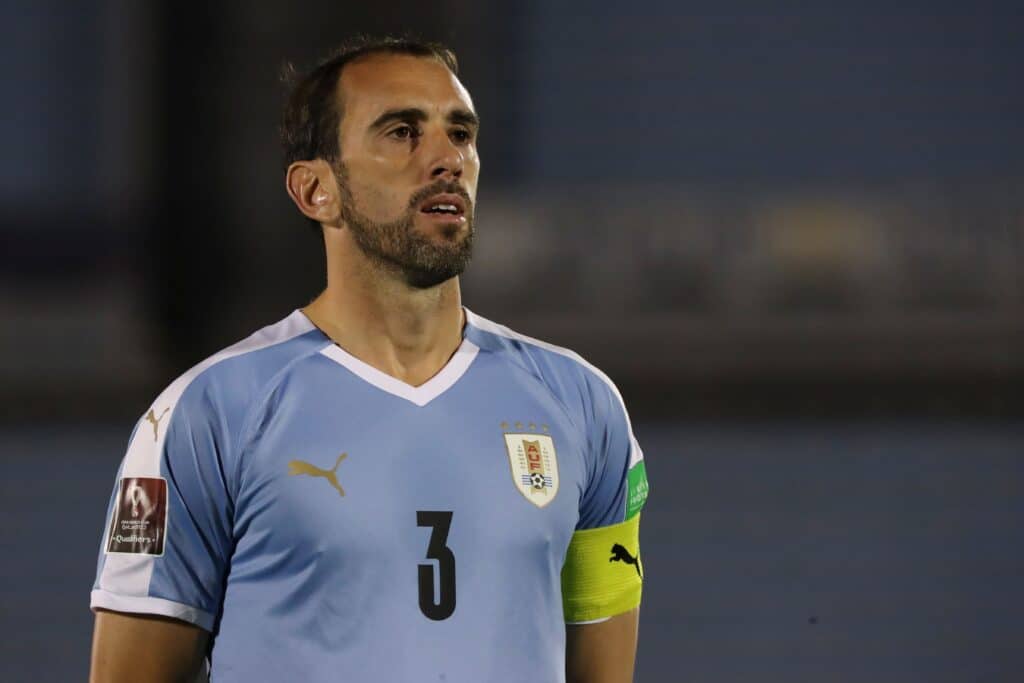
603, 575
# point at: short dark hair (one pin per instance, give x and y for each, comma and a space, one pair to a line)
312, 112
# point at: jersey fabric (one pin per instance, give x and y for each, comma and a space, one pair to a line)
326, 521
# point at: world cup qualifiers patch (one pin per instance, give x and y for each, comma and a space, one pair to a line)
636, 494
139, 522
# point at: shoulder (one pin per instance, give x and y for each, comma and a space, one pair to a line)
221, 387
595, 401
569, 376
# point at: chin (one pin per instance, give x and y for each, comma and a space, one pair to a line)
454, 233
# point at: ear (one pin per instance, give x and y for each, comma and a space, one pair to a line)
312, 187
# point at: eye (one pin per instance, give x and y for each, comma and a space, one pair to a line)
462, 136
404, 132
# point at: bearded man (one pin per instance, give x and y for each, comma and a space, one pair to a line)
382, 486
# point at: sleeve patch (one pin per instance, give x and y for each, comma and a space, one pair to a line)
636, 495
139, 523
602, 575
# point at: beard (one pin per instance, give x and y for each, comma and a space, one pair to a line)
398, 247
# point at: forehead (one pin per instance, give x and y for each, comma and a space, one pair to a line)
377, 83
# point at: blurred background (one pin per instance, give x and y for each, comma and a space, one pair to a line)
793, 234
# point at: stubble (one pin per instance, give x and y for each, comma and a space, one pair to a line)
398, 247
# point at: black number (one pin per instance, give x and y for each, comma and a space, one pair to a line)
443, 607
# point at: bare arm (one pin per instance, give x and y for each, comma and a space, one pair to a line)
144, 647
603, 652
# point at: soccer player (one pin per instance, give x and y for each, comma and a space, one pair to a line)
382, 486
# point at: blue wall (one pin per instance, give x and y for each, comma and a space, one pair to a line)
747, 90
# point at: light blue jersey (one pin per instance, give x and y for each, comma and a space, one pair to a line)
326, 522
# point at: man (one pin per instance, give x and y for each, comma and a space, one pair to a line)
383, 486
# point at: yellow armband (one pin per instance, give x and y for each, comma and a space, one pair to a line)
602, 575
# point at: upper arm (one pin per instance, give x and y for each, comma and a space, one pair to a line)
168, 536
603, 576
140, 647
602, 652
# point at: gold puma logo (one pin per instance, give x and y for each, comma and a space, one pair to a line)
156, 421
303, 467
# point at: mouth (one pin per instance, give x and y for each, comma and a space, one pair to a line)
445, 207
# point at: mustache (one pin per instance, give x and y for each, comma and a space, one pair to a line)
440, 187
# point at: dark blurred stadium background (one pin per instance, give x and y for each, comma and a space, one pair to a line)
793, 234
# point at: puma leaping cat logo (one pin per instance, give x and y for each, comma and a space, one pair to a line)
156, 421
620, 554
303, 467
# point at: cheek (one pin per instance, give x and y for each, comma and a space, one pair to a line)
377, 201
471, 173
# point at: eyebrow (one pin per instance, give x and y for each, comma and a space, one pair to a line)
464, 117
457, 116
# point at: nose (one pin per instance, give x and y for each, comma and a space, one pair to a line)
446, 160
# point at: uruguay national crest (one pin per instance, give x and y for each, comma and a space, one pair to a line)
534, 466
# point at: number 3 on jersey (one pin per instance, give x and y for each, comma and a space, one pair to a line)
441, 608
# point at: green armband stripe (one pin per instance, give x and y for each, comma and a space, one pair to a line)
602, 575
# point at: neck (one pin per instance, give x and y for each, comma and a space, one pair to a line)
372, 314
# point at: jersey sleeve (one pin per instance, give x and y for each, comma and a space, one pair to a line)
168, 535
603, 575
617, 487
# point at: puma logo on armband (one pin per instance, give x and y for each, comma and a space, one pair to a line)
620, 554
